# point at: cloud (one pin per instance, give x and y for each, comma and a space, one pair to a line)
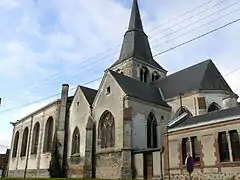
8, 4
47, 43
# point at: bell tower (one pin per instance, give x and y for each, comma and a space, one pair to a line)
136, 59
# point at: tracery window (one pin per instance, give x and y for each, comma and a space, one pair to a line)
151, 131
76, 141
35, 138
15, 144
106, 130
24, 142
48, 136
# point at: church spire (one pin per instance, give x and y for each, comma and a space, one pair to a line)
135, 19
135, 44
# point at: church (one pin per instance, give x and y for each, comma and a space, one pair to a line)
139, 124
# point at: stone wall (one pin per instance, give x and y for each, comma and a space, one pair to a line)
137, 65
109, 165
30, 173
79, 114
109, 161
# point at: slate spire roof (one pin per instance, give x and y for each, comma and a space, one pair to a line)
135, 22
135, 43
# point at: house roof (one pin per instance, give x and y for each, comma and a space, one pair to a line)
89, 94
209, 117
202, 76
135, 43
138, 89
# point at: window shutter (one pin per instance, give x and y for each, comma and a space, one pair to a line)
202, 103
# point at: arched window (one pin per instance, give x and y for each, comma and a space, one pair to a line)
195, 149
76, 141
106, 129
35, 138
185, 149
182, 110
144, 74
48, 135
235, 143
151, 131
15, 144
213, 107
155, 76
223, 147
24, 142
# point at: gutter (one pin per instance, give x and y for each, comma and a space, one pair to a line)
168, 152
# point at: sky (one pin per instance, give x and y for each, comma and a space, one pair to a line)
44, 44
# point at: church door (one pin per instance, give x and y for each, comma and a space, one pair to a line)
148, 166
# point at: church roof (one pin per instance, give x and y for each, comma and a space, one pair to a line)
209, 118
202, 76
135, 43
89, 94
138, 89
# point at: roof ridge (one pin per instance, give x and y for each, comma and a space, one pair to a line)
87, 87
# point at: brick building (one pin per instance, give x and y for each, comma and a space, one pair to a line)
211, 139
137, 124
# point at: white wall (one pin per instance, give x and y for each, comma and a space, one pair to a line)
190, 102
39, 160
78, 118
114, 104
140, 113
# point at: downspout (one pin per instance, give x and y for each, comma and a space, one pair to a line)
168, 154
28, 148
162, 148
161, 164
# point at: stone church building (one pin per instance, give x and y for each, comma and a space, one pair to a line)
140, 123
